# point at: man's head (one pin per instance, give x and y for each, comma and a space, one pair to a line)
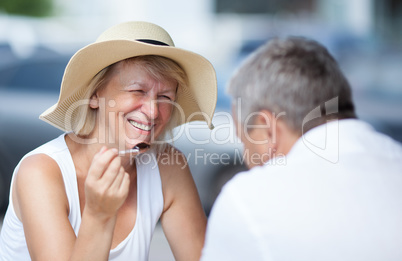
278, 86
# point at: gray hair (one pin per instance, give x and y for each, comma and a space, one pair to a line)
291, 77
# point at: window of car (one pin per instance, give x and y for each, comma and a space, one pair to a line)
35, 74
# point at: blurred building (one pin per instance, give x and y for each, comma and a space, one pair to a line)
364, 35
216, 27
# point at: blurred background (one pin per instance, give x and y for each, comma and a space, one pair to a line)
37, 38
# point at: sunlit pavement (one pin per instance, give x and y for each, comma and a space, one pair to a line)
160, 250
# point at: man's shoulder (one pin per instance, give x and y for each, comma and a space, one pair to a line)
257, 181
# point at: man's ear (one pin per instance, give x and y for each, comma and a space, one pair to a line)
281, 137
269, 123
94, 101
266, 120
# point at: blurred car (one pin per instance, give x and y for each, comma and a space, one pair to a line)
373, 72
29, 86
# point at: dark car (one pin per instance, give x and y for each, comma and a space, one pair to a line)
27, 88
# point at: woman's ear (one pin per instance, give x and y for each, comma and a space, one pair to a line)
94, 101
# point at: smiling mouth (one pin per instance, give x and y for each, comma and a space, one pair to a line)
140, 125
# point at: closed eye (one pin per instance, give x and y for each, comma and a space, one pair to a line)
165, 97
137, 91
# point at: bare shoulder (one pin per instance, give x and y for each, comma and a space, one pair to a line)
175, 174
172, 161
38, 175
37, 167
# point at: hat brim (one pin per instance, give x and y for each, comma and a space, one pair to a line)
197, 102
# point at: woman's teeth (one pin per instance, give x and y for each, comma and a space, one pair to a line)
141, 126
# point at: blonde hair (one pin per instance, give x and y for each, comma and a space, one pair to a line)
160, 68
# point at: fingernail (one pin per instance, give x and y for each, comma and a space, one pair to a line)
103, 149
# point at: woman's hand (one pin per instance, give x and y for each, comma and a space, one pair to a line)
107, 184
41, 203
106, 189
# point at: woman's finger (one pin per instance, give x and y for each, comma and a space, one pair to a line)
112, 171
124, 185
101, 161
118, 180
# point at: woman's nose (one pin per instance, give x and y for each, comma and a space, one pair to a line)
150, 108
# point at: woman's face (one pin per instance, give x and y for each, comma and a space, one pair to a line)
134, 106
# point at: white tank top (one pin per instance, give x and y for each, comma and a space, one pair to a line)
13, 246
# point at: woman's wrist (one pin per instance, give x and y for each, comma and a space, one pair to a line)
94, 237
98, 219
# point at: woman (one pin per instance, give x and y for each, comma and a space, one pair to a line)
79, 198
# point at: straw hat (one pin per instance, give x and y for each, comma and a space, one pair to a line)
128, 40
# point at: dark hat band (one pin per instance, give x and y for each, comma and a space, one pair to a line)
154, 42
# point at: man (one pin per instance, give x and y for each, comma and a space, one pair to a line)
322, 184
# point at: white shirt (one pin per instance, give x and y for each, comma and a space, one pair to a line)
342, 201
149, 207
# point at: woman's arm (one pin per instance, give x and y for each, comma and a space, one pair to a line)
42, 206
183, 219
